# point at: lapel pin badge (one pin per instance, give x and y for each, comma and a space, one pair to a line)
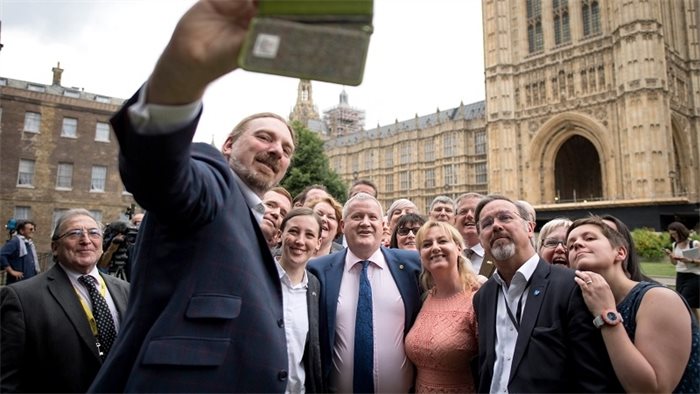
313, 293
536, 292
400, 266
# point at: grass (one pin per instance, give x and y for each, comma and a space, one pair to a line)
658, 268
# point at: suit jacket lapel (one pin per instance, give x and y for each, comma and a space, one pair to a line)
62, 290
536, 294
334, 275
488, 301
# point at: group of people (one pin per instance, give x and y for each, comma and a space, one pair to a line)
236, 286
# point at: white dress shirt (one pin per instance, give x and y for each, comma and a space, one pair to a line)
296, 328
82, 291
506, 333
476, 258
393, 371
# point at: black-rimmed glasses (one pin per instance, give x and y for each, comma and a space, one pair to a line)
405, 230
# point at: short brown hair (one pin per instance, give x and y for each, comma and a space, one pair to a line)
241, 126
282, 191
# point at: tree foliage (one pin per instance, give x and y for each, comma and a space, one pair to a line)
310, 166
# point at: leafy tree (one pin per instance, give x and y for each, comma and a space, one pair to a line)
310, 165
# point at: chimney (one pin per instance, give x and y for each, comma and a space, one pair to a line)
57, 71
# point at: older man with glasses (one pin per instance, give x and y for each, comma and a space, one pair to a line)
58, 327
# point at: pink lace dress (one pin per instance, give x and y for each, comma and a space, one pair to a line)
441, 343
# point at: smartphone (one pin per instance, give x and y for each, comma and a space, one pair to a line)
323, 40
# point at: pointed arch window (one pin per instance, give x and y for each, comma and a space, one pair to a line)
560, 10
590, 12
534, 25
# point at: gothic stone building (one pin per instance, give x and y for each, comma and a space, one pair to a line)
57, 153
591, 106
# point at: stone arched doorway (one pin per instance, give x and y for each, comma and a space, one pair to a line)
577, 172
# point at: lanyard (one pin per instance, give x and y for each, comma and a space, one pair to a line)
515, 319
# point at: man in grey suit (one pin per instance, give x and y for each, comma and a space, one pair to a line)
51, 341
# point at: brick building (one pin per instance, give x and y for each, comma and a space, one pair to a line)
57, 152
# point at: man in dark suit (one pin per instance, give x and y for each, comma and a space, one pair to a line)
535, 333
392, 275
50, 339
206, 303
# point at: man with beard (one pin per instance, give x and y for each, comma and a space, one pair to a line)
535, 332
206, 304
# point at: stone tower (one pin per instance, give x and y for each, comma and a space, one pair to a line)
593, 101
304, 110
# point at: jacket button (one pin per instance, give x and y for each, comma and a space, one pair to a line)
280, 323
282, 375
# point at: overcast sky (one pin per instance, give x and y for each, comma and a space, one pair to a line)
424, 55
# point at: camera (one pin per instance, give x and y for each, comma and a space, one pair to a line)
124, 235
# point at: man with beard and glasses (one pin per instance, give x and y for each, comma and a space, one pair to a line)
206, 303
535, 332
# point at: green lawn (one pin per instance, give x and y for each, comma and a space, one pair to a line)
661, 268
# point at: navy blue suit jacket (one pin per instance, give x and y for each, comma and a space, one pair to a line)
405, 268
558, 349
206, 303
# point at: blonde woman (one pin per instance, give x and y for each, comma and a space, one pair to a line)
330, 212
443, 338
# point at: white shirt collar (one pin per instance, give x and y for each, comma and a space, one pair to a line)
377, 258
74, 275
284, 278
526, 270
477, 249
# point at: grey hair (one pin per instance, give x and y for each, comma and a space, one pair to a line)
398, 204
70, 214
442, 200
468, 195
552, 225
361, 197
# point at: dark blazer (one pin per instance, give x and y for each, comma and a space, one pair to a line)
206, 302
312, 349
558, 348
405, 268
46, 344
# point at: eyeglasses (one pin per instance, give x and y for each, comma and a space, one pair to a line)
551, 243
504, 217
78, 233
405, 230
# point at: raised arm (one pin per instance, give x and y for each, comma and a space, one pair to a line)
203, 47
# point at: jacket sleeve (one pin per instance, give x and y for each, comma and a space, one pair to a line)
12, 340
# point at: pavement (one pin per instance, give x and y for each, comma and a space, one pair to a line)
669, 281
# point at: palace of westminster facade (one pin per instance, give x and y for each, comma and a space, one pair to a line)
591, 106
